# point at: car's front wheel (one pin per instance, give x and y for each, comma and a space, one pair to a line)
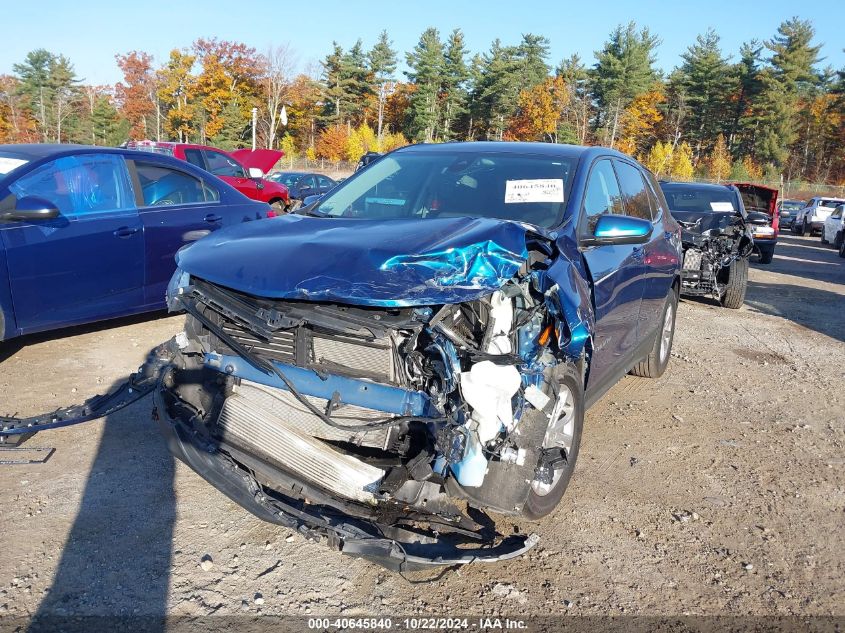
802, 229
563, 437
823, 238
837, 241
653, 365
767, 255
842, 248
733, 296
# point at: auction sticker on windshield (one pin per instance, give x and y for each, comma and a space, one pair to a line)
721, 206
543, 190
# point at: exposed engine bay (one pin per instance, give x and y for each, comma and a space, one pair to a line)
711, 243
405, 421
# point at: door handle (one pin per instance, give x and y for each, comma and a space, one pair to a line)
125, 231
213, 218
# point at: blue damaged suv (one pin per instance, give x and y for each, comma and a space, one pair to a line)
420, 345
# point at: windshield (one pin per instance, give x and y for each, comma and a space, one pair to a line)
830, 204
443, 184
287, 179
700, 199
8, 162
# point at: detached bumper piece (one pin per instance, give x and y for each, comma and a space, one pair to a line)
395, 547
136, 387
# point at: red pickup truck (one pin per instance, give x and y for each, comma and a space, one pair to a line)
244, 169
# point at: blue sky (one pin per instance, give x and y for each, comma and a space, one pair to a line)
91, 32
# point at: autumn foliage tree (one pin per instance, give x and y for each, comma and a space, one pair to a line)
136, 94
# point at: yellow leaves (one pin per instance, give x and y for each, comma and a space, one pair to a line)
340, 142
361, 141
666, 162
718, 163
755, 171
640, 120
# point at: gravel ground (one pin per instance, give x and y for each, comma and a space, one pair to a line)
718, 489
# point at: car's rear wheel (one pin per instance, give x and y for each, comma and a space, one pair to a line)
823, 238
564, 432
653, 365
802, 228
294, 205
733, 296
842, 248
837, 241
767, 255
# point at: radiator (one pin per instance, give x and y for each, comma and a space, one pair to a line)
271, 424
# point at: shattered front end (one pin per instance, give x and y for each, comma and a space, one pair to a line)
711, 243
387, 430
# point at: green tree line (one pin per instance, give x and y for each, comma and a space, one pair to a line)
770, 109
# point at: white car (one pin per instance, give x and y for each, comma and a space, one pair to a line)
833, 228
811, 218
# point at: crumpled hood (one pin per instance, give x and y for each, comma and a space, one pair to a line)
363, 262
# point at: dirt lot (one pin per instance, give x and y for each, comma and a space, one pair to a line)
718, 489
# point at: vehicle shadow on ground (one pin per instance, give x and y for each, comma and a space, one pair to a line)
116, 562
11, 347
813, 308
806, 257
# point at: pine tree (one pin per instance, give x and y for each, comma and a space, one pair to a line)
455, 77
426, 63
791, 76
624, 69
704, 75
745, 76
382, 60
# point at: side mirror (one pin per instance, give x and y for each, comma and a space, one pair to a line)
255, 172
619, 229
31, 209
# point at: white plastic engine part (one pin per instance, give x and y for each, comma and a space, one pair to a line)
501, 322
488, 389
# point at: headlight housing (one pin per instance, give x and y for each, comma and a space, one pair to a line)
177, 285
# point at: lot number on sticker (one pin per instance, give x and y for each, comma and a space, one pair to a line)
547, 190
721, 206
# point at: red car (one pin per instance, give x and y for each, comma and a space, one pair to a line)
244, 169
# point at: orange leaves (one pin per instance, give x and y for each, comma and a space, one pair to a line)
538, 111
331, 143
136, 96
718, 162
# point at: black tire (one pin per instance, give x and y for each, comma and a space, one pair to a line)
821, 235
837, 241
803, 228
766, 256
842, 249
653, 365
734, 295
539, 505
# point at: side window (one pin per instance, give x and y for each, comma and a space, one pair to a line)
838, 212
194, 156
325, 182
165, 186
80, 185
602, 194
221, 165
306, 182
633, 190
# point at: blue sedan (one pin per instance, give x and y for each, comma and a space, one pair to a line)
429, 332
90, 233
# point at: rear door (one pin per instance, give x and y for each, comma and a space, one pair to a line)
86, 265
616, 272
176, 208
307, 186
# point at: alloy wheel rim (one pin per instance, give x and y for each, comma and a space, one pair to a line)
559, 434
666, 334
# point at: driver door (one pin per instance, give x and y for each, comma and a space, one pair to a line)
616, 273
85, 265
